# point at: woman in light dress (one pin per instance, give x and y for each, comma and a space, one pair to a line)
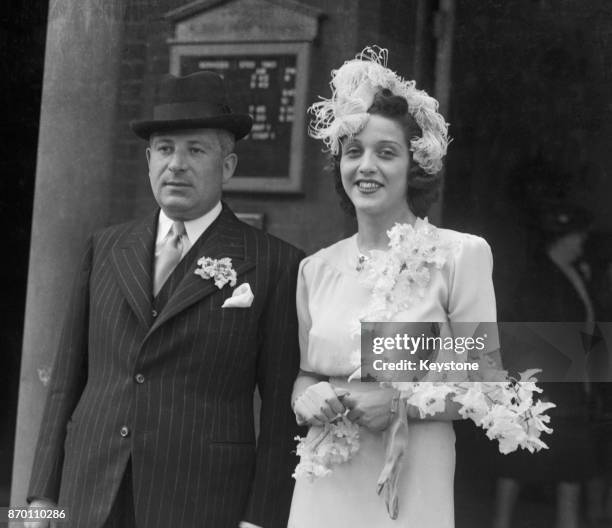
387, 143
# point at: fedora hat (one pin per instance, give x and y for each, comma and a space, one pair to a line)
198, 100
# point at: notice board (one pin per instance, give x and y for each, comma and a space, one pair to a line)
269, 83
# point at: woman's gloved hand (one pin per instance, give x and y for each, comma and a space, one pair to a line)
319, 404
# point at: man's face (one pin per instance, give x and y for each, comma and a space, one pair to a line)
187, 169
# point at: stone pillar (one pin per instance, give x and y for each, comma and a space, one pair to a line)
445, 24
72, 191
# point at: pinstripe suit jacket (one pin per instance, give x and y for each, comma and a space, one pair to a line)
189, 415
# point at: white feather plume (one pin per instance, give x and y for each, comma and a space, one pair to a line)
354, 86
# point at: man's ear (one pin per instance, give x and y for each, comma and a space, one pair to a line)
230, 162
148, 154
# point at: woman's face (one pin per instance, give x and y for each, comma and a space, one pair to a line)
374, 168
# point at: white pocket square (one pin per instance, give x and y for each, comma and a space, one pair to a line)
241, 298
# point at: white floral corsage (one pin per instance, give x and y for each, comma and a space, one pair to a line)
399, 276
220, 270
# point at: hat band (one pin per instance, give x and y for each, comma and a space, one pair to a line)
194, 110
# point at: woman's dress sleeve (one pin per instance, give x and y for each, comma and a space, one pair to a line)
303, 313
472, 299
471, 296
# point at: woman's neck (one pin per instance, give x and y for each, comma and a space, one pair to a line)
372, 230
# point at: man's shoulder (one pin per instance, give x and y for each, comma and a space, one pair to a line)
111, 233
115, 230
109, 236
272, 245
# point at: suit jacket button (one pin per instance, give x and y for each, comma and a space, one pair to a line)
124, 432
154, 313
139, 378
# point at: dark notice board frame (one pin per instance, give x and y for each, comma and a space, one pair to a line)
292, 183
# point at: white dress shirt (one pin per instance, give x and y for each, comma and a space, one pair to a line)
193, 229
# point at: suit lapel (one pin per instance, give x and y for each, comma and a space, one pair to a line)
132, 259
224, 238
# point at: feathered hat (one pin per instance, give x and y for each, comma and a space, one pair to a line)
354, 86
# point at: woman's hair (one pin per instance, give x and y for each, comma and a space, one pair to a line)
423, 188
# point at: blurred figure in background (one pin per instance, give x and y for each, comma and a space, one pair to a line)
554, 287
599, 491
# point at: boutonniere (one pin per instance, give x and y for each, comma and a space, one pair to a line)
220, 270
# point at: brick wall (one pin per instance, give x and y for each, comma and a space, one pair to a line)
311, 220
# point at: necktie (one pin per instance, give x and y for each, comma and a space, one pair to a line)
169, 256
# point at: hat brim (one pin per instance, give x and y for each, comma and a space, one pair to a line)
238, 124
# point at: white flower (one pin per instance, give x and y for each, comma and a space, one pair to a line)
399, 277
474, 403
430, 398
399, 234
502, 424
509, 435
220, 270
335, 443
527, 384
498, 415
536, 420
533, 443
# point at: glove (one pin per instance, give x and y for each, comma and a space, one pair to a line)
318, 404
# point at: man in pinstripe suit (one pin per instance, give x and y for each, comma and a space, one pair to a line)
149, 419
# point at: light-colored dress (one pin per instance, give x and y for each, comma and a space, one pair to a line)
329, 299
